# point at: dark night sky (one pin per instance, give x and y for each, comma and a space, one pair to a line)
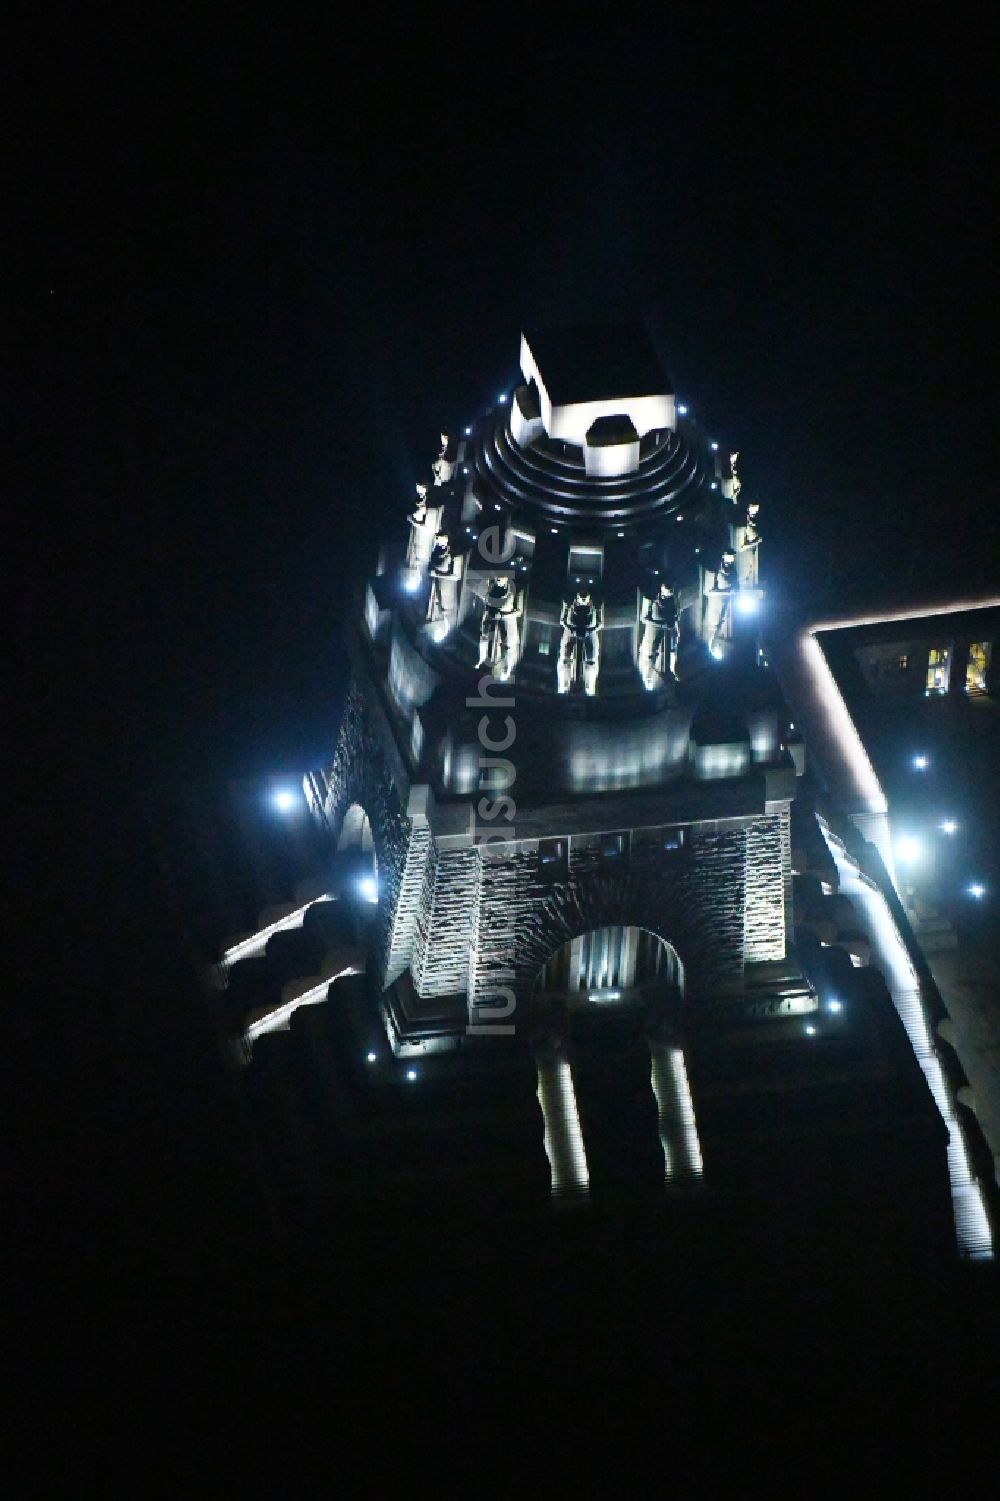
250, 275
250, 270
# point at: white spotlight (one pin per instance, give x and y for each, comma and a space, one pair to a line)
682, 409
909, 849
976, 890
949, 826
371, 1057
810, 1030
368, 888
284, 800
834, 1005
921, 762
747, 604
411, 1074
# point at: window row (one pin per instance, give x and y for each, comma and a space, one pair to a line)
613, 850
883, 665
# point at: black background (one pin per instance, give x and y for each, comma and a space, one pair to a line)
251, 270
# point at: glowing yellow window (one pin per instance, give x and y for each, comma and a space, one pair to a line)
979, 661
938, 669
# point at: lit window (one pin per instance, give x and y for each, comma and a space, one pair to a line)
975, 672
553, 859
673, 840
938, 669
614, 848
903, 663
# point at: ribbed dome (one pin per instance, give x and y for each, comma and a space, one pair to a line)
549, 477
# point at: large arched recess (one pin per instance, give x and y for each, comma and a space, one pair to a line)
356, 844
356, 831
617, 962
632, 899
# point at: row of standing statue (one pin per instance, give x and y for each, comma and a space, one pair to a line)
582, 615
428, 546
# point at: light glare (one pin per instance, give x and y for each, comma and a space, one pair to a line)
909, 849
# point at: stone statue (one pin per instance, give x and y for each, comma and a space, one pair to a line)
442, 574
499, 633
418, 546
443, 467
747, 543
658, 642
735, 485
582, 621
718, 617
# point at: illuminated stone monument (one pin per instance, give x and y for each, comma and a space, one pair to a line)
558, 812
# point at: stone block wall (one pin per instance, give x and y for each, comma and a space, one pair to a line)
442, 937
692, 898
359, 775
481, 918
767, 880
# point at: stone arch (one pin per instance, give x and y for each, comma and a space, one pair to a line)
359, 788
652, 901
360, 777
626, 952
356, 831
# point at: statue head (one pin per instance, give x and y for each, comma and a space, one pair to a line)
583, 594
752, 510
500, 581
665, 589
421, 495
444, 445
728, 559
441, 540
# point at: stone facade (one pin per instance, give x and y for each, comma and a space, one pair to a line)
767, 883
481, 919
